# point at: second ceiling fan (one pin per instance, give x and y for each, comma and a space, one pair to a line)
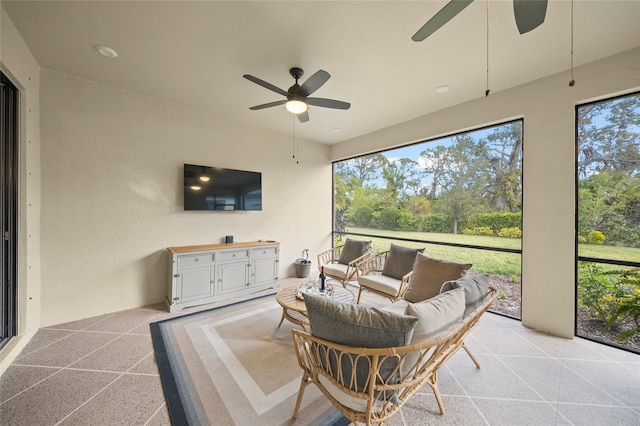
297, 97
529, 15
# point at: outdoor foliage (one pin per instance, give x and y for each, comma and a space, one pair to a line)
596, 237
479, 230
473, 177
496, 221
439, 222
510, 233
611, 296
609, 171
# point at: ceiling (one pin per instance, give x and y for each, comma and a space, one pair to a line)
194, 53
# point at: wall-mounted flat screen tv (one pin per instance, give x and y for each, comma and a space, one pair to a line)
215, 188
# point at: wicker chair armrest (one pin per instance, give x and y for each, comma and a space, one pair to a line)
404, 284
356, 266
372, 264
329, 256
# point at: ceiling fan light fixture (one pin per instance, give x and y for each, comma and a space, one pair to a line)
295, 106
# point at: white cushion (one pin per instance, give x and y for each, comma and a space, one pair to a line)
356, 404
336, 270
397, 307
382, 283
437, 315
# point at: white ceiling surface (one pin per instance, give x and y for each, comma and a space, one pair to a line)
194, 53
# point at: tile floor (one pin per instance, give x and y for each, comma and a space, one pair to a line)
102, 371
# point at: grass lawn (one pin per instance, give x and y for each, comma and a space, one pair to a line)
607, 252
483, 261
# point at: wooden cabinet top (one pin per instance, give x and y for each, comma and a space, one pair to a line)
221, 246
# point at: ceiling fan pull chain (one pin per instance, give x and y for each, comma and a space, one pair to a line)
294, 147
572, 82
486, 93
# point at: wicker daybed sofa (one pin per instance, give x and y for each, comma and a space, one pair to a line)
370, 383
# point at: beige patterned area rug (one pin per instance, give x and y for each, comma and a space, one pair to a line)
233, 366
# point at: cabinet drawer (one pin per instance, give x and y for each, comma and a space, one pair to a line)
195, 260
264, 252
226, 256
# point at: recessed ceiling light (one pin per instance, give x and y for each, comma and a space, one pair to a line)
106, 51
443, 89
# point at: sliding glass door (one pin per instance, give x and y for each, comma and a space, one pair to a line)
8, 207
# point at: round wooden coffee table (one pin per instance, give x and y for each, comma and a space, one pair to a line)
294, 309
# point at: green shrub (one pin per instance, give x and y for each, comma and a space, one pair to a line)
361, 216
510, 233
438, 222
479, 230
408, 222
582, 240
610, 296
496, 221
596, 237
386, 218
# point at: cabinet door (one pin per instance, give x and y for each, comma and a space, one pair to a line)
195, 283
233, 276
265, 271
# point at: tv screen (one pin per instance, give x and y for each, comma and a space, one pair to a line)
215, 188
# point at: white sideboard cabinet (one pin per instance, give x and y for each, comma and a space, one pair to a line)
208, 273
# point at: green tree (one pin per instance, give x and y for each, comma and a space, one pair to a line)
400, 175
609, 137
502, 151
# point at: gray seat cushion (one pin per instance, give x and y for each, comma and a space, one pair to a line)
400, 261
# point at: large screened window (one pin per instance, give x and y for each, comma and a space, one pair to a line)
608, 221
459, 197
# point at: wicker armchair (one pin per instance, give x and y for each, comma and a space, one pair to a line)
370, 277
336, 270
376, 398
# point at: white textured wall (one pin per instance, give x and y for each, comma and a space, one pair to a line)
17, 62
548, 108
112, 194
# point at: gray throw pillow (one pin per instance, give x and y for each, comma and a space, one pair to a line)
358, 326
399, 261
352, 250
475, 288
428, 276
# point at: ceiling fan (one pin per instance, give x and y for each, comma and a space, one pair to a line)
298, 99
529, 15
